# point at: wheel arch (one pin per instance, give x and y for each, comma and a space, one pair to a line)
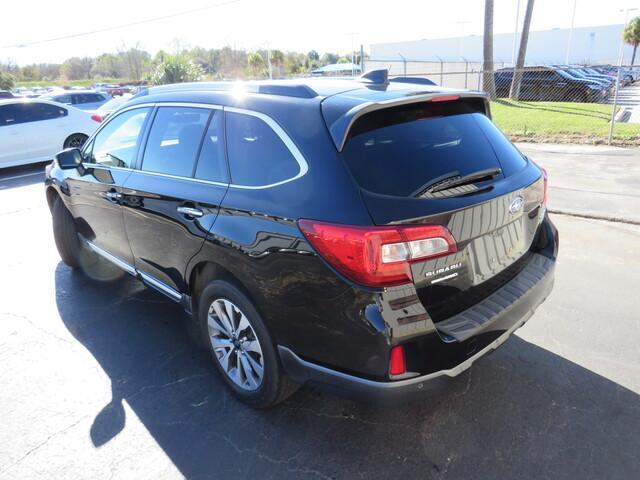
52, 195
207, 270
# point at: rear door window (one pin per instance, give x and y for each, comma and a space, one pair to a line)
63, 99
257, 155
174, 140
8, 115
397, 151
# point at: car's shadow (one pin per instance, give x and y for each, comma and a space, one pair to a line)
522, 412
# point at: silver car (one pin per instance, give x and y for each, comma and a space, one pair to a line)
82, 99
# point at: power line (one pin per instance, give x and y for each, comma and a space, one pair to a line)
118, 27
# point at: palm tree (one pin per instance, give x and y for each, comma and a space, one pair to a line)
488, 81
522, 52
631, 35
255, 61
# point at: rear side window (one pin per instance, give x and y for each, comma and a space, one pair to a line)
257, 155
212, 164
174, 140
400, 150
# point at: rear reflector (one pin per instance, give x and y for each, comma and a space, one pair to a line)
545, 176
377, 256
96, 117
397, 363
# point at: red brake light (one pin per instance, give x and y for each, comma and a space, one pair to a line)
397, 363
445, 98
96, 117
377, 256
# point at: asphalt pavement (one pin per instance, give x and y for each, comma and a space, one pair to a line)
102, 380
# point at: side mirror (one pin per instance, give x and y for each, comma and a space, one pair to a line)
69, 158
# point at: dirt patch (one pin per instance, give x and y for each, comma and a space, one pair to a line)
574, 138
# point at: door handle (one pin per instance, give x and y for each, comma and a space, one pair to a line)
190, 211
113, 196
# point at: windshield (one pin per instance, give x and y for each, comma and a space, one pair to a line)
398, 150
564, 74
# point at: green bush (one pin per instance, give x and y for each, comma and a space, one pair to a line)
176, 69
6, 81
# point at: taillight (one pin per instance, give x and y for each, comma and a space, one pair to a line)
377, 256
397, 363
96, 117
545, 177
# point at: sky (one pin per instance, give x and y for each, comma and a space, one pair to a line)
302, 25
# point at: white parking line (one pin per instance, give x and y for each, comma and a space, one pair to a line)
21, 176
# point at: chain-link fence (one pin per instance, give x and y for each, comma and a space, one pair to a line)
585, 102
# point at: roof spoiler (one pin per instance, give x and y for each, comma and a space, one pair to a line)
339, 129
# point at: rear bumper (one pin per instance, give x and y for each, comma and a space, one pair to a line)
509, 318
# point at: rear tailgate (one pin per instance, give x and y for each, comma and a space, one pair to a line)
402, 158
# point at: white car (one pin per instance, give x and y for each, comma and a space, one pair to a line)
34, 130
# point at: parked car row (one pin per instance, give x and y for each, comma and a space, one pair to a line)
564, 83
106, 91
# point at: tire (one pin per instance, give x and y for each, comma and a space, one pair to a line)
578, 97
65, 234
75, 140
238, 345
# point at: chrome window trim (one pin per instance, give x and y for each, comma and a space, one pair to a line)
178, 177
277, 129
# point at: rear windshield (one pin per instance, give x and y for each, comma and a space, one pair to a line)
397, 151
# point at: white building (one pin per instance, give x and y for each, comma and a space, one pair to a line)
598, 44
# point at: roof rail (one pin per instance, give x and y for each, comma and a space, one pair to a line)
298, 90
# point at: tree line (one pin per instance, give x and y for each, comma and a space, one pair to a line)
189, 64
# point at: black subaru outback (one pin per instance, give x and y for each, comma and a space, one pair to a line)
370, 236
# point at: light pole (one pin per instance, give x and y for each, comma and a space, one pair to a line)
620, 58
460, 46
353, 54
573, 17
515, 36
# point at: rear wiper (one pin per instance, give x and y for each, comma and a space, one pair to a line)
479, 176
454, 179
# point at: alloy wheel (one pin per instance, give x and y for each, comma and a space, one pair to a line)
235, 344
76, 141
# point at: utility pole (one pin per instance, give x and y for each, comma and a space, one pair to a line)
269, 62
620, 58
460, 45
361, 59
573, 17
515, 36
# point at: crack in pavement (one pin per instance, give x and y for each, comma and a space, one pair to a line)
589, 216
274, 461
615, 194
350, 416
42, 444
